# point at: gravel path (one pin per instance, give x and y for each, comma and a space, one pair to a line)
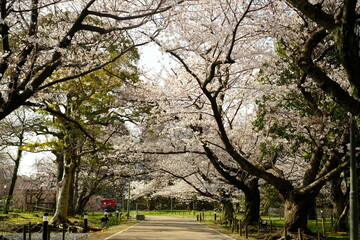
53, 236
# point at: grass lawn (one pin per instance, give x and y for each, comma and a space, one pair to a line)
13, 219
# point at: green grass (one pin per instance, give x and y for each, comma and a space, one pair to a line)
8, 221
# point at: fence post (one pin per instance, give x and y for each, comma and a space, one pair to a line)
85, 230
45, 226
332, 220
240, 228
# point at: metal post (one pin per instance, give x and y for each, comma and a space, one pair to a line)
45, 226
354, 231
85, 223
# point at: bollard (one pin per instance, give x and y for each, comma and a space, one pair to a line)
45, 226
323, 225
29, 229
24, 232
197, 217
85, 230
214, 216
48, 232
63, 232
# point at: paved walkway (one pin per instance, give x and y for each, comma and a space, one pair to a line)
169, 228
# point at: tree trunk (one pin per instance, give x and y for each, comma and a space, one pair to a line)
340, 202
252, 202
73, 192
12, 186
227, 210
312, 211
62, 203
13, 178
81, 203
297, 211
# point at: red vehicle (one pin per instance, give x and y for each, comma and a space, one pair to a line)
108, 205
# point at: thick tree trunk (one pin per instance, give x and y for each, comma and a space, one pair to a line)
81, 203
73, 192
341, 211
252, 202
227, 210
312, 211
340, 202
296, 212
62, 203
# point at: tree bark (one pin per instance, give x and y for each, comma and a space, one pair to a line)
14, 176
340, 201
227, 210
62, 203
73, 192
252, 202
13, 183
296, 211
82, 201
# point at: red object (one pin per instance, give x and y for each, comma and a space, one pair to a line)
108, 203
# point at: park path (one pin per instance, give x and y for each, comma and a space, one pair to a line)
169, 228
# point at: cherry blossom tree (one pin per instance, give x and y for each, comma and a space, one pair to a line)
80, 122
216, 66
48, 42
316, 55
332, 26
225, 27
